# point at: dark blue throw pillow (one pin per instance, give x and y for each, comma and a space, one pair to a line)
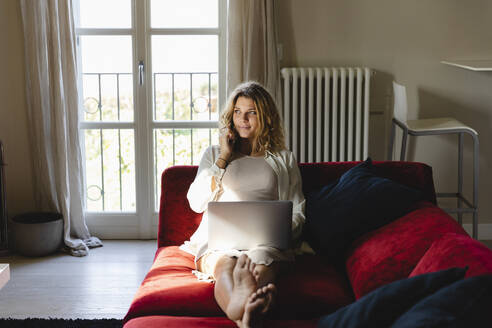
358, 202
466, 303
381, 307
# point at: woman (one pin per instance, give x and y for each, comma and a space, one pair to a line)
250, 163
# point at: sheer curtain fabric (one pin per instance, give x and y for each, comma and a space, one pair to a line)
53, 117
252, 45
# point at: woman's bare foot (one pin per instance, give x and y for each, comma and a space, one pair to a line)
270, 292
244, 286
254, 310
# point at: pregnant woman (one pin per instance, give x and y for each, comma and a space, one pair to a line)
250, 164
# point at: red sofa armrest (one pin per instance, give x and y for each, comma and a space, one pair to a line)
177, 221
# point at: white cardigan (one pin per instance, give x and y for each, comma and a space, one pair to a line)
200, 193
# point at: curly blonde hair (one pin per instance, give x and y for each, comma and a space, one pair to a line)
269, 135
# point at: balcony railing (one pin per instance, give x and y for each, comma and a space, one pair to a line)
180, 101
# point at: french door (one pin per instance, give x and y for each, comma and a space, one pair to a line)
152, 83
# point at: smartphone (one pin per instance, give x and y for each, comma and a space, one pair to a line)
234, 132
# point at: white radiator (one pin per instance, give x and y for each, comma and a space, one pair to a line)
326, 113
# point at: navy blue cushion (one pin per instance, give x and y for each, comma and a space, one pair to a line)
383, 306
358, 202
466, 303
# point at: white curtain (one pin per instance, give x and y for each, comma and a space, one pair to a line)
252, 45
53, 117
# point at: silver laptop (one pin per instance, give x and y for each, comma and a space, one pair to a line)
248, 224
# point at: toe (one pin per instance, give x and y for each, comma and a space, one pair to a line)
247, 262
241, 261
252, 266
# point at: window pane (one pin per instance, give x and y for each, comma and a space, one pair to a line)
184, 13
204, 96
185, 84
128, 170
163, 97
90, 93
163, 158
163, 149
110, 173
201, 140
182, 109
179, 147
93, 170
107, 82
94, 13
106, 54
182, 147
184, 53
125, 88
214, 98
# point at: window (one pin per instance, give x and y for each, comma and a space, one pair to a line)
151, 81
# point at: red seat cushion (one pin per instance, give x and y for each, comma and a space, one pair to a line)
456, 250
391, 252
311, 287
200, 322
171, 288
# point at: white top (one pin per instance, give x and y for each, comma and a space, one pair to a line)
289, 186
248, 179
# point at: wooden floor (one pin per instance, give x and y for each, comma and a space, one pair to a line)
100, 285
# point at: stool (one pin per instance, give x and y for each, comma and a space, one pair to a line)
436, 126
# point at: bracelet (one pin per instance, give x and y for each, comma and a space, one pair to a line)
226, 162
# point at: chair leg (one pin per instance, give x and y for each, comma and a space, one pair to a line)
475, 184
460, 176
391, 141
403, 144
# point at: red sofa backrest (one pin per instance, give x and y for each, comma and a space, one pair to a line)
177, 221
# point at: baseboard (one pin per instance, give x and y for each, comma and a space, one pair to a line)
484, 230
120, 232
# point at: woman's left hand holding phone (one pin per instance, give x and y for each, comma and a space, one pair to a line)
226, 143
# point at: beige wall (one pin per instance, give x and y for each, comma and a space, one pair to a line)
13, 124
405, 41
402, 40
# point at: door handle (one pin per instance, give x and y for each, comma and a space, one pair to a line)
141, 70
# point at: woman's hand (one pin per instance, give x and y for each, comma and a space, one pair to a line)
226, 143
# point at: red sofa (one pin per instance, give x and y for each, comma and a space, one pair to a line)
425, 240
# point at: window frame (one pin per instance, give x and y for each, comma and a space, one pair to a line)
143, 223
